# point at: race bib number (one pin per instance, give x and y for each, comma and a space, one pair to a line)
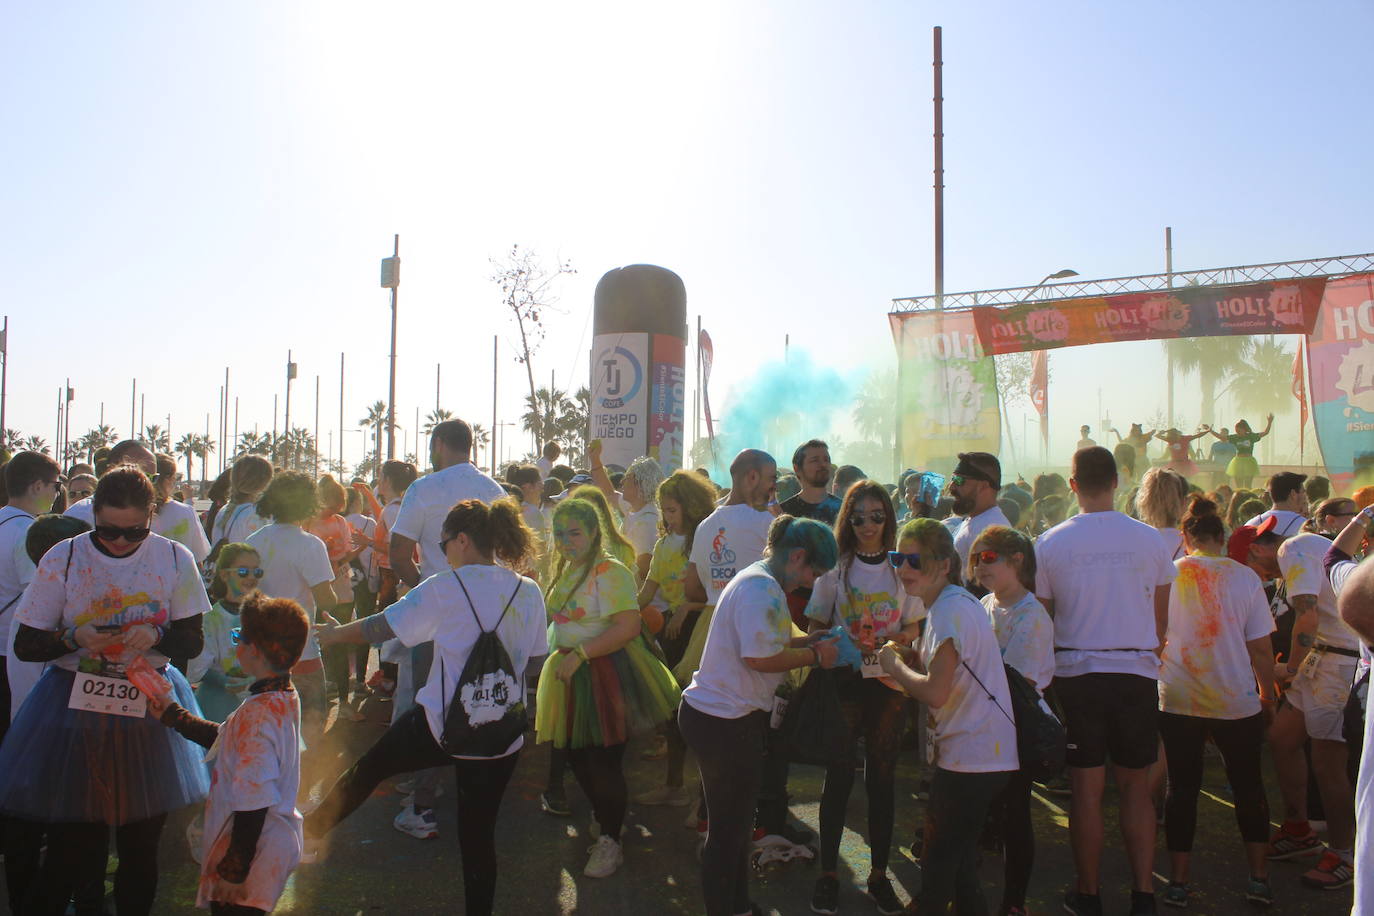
870, 666
779, 712
1308, 668
107, 695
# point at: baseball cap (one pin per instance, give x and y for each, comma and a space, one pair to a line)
1238, 547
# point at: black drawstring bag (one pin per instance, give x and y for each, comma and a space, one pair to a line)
814, 728
1040, 736
486, 713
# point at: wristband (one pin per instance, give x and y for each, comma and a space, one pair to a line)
581, 651
69, 638
817, 653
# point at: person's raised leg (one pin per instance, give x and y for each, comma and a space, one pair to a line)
481, 786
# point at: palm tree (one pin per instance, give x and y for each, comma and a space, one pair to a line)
32, 443
874, 412
97, 439
376, 419
204, 445
255, 443
1213, 360
186, 446
10, 439
434, 418
480, 438
299, 447
156, 438
543, 410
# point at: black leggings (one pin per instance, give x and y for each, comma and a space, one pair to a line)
406, 747
730, 756
600, 772
874, 711
336, 658
673, 650
1011, 809
949, 860
1240, 742
233, 909
75, 850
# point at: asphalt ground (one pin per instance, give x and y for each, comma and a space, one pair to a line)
371, 868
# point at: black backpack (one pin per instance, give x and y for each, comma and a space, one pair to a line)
1040, 736
486, 712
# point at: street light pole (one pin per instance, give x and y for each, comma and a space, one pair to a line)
391, 279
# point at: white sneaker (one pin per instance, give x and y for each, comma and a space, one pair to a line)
420, 826
671, 796
692, 821
606, 857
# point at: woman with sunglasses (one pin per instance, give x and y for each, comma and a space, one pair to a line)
724, 712
1003, 562
452, 609
863, 594
956, 671
82, 756
219, 678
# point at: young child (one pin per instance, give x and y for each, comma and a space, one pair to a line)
216, 672
253, 835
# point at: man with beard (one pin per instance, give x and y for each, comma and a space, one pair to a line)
811, 464
975, 484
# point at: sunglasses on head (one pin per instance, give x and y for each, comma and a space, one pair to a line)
897, 558
986, 557
254, 571
114, 532
872, 518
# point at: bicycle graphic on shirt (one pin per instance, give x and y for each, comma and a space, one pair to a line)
721, 554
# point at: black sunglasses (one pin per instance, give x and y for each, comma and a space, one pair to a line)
114, 532
897, 558
872, 518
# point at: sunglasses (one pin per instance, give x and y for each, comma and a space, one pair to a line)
897, 558
114, 532
872, 518
236, 636
986, 557
254, 571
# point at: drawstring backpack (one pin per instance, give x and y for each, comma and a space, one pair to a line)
486, 712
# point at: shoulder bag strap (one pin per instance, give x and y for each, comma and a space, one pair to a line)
987, 691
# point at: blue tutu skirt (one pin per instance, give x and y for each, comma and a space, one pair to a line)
63, 765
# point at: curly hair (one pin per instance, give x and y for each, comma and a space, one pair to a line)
289, 498
276, 627
694, 495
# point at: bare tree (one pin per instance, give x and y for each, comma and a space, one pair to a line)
527, 289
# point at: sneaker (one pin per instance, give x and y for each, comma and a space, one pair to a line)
1331, 873
1259, 893
880, 889
693, 820
606, 856
1285, 845
1076, 904
1176, 894
797, 836
420, 826
825, 899
555, 804
381, 686
671, 796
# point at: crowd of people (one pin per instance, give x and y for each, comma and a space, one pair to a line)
1145, 610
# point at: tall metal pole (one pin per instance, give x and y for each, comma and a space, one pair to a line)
1168, 350
143, 415
224, 430
391, 391
274, 429
57, 435
134, 431
316, 450
939, 65
236, 421
286, 423
67, 419
494, 427
341, 415
219, 427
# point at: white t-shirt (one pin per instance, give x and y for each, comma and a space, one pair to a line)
1289, 524
971, 732
179, 522
437, 610
751, 620
1101, 570
257, 763
726, 541
427, 502
16, 569
367, 527
1216, 606
969, 529
233, 523
1025, 634
871, 603
157, 583
641, 529
1173, 542
1300, 560
293, 562
545, 466
82, 509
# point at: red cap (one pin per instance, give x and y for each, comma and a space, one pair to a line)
1238, 548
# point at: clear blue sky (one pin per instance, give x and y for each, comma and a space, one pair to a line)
191, 186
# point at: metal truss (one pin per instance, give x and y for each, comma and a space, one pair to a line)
1143, 283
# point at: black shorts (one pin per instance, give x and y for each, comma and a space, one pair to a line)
1114, 715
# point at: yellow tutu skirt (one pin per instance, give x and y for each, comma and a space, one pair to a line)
608, 699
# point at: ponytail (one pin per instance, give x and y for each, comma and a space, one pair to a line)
497, 530
1201, 521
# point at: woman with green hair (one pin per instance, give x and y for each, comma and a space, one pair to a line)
601, 683
956, 671
725, 710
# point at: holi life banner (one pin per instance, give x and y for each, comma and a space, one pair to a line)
947, 390
1274, 307
1340, 356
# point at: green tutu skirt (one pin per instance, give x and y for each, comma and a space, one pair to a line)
691, 658
1243, 466
610, 698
